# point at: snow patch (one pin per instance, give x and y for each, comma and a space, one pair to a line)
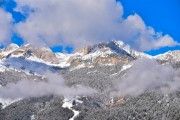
28, 66
125, 67
68, 103
32, 117
63, 59
12, 47
2, 68
7, 102
78, 67
131, 51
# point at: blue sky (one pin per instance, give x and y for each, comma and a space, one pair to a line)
18, 17
162, 15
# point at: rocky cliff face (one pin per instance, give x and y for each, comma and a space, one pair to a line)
29, 52
111, 53
109, 59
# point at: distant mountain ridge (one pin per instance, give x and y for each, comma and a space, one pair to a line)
170, 56
110, 53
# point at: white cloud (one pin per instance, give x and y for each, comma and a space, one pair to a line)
84, 22
143, 38
147, 75
166, 41
77, 22
5, 27
54, 85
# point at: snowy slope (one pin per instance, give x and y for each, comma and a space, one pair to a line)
63, 59
171, 56
131, 51
27, 66
98, 53
7, 102
5, 51
29, 59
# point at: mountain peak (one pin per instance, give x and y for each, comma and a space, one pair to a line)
101, 54
130, 50
10, 48
13, 45
29, 52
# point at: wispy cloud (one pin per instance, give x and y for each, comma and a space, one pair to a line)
54, 85
148, 75
143, 38
6, 27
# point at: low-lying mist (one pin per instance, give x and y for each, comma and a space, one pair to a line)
53, 85
144, 75
148, 75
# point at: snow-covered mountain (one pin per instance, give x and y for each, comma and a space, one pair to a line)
111, 53
171, 56
113, 46
29, 52
131, 51
28, 57
101, 66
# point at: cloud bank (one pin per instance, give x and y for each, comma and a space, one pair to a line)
79, 23
148, 75
6, 27
55, 85
76, 22
85, 22
143, 38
